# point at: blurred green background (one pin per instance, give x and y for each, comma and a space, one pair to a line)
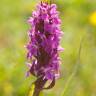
79, 25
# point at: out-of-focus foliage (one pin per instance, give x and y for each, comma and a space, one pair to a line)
78, 21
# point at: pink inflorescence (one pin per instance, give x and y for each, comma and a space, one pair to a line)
43, 47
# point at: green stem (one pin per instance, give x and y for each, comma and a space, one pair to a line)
74, 70
39, 84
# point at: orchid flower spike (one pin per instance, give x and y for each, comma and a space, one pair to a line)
44, 45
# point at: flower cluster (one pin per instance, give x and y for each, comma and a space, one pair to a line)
43, 47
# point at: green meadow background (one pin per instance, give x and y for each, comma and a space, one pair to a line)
78, 68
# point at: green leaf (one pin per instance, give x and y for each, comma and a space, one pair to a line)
31, 91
